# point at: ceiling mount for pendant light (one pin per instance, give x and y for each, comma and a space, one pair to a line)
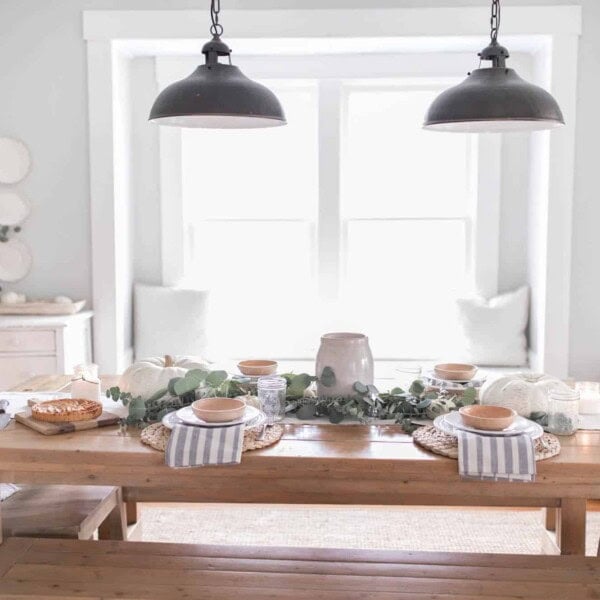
217, 95
494, 99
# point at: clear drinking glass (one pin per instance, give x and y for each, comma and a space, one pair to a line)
406, 373
271, 395
563, 412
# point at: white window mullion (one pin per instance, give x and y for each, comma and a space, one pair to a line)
173, 229
329, 223
485, 229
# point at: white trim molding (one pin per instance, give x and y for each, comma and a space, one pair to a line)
548, 33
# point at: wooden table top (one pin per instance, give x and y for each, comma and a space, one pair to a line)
311, 461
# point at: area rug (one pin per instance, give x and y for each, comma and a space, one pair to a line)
401, 528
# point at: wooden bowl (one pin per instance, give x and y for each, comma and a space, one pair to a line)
257, 368
455, 371
489, 418
219, 410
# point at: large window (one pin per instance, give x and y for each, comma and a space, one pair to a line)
350, 218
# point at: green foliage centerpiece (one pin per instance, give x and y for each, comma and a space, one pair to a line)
366, 405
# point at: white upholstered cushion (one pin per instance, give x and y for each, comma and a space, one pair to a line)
169, 321
493, 330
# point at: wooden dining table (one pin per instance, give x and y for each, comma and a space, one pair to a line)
311, 464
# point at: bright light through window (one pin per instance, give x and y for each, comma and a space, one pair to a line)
398, 232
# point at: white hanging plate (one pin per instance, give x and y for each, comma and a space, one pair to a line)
14, 209
14, 160
15, 260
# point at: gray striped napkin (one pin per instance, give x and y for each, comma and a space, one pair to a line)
197, 446
510, 458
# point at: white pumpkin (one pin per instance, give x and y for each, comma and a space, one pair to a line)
250, 400
149, 375
524, 392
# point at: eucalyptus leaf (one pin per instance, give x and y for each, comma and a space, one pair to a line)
306, 412
137, 409
359, 387
216, 378
469, 396
335, 416
416, 388
184, 386
171, 385
397, 391
327, 377
158, 395
298, 384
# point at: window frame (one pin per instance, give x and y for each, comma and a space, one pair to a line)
482, 225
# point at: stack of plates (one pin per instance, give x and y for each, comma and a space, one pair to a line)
433, 381
452, 422
252, 417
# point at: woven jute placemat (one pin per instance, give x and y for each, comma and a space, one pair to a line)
157, 436
441, 443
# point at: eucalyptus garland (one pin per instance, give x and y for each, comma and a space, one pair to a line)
366, 405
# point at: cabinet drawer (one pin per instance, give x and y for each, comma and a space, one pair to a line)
16, 369
27, 340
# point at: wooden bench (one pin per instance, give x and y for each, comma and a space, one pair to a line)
68, 569
65, 511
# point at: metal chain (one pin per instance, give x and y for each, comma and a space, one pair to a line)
215, 8
495, 20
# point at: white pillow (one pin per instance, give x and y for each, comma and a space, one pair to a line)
169, 321
493, 330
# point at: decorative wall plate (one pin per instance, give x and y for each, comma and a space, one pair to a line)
14, 209
14, 160
15, 260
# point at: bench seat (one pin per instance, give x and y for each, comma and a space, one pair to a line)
68, 569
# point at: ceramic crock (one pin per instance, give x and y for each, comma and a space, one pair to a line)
349, 355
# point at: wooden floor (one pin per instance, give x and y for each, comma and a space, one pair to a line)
69, 569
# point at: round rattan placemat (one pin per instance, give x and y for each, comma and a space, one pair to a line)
441, 443
157, 435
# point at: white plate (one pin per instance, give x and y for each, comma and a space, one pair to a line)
452, 421
252, 417
14, 160
15, 260
435, 380
14, 209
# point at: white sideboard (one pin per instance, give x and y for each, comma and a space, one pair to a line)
40, 345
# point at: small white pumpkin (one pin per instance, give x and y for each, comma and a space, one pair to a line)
62, 300
147, 376
523, 392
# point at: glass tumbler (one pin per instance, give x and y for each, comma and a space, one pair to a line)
271, 395
563, 412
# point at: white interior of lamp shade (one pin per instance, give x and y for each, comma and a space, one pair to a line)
220, 121
503, 126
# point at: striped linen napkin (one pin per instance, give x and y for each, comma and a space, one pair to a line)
198, 446
496, 458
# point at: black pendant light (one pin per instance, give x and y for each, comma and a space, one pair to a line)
494, 99
217, 95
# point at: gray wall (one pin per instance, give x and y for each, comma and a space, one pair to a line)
43, 101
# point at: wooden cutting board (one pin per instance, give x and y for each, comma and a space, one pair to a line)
105, 419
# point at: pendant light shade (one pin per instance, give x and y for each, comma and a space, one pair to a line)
494, 99
217, 95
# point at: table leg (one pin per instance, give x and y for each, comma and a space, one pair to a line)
570, 526
132, 512
551, 517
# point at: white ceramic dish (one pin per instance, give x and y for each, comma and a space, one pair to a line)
185, 416
15, 260
14, 160
452, 422
14, 209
